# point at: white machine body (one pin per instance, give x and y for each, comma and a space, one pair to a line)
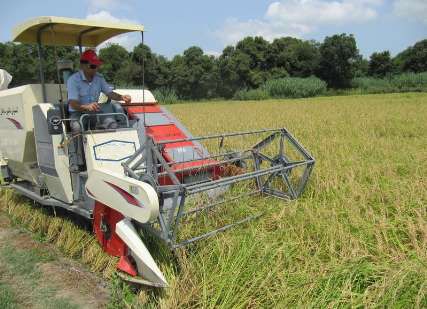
17, 125
41, 160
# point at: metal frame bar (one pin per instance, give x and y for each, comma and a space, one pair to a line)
216, 231
79, 40
101, 115
41, 56
200, 138
24, 188
209, 206
143, 70
279, 167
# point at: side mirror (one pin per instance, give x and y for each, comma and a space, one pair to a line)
54, 122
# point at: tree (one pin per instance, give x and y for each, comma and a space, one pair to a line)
338, 55
296, 57
245, 66
62, 53
234, 67
22, 62
257, 50
116, 61
413, 58
194, 74
156, 68
361, 67
253, 51
380, 64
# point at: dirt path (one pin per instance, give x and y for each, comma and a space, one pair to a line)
34, 274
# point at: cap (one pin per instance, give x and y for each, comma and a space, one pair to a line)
91, 57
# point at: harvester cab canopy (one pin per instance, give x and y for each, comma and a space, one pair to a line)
52, 30
63, 31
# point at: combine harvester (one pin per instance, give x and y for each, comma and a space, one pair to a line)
149, 173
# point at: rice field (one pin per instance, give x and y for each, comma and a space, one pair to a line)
356, 238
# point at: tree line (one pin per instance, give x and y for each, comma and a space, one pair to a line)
249, 64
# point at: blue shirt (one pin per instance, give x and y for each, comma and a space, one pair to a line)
80, 89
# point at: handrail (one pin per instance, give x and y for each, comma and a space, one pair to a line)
101, 115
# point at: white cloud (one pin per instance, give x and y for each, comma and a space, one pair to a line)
214, 53
128, 40
106, 16
316, 12
299, 17
411, 9
234, 30
96, 5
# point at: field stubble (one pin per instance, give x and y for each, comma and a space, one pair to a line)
357, 236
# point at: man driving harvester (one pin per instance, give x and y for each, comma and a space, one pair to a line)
84, 88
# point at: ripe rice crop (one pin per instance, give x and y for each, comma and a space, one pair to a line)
356, 238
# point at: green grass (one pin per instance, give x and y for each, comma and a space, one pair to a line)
356, 238
165, 95
252, 94
7, 297
20, 272
23, 262
59, 303
288, 87
294, 87
398, 83
67, 236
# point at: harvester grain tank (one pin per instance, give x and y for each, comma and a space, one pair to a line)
148, 173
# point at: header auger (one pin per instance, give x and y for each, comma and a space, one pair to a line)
148, 172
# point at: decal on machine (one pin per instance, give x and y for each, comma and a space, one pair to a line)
7, 113
16, 123
114, 150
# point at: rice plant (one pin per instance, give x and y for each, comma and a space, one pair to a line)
356, 238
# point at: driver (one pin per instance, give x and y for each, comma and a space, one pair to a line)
84, 88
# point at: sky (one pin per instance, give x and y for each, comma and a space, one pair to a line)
173, 26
